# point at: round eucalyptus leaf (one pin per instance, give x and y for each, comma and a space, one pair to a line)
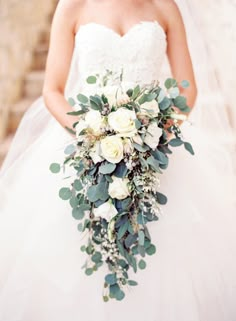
78, 185
185, 83
151, 250
55, 168
174, 92
142, 264
114, 289
83, 248
91, 80
74, 201
65, 193
80, 227
120, 295
107, 168
111, 279
77, 213
105, 298
70, 149
170, 82
97, 257
89, 271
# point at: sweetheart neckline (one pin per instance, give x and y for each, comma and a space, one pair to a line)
138, 24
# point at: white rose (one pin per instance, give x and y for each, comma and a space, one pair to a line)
106, 211
153, 135
95, 121
150, 108
119, 188
82, 124
115, 95
123, 122
112, 149
95, 153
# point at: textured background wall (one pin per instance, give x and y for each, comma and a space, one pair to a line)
20, 23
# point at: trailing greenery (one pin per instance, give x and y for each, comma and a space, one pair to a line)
121, 148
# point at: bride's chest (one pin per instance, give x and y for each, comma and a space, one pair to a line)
141, 50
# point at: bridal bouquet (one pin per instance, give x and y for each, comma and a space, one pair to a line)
121, 148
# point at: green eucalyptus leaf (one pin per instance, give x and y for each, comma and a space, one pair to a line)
93, 193
132, 283
82, 98
65, 193
105, 298
111, 279
113, 290
175, 142
80, 227
77, 185
91, 80
120, 295
79, 212
151, 249
71, 101
174, 92
121, 170
154, 163
189, 148
141, 237
185, 83
122, 230
142, 264
161, 96
136, 92
70, 149
170, 82
180, 102
161, 198
74, 201
55, 168
97, 257
107, 168
89, 271
140, 148
165, 103
96, 102
147, 98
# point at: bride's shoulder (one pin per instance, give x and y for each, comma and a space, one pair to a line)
70, 6
169, 10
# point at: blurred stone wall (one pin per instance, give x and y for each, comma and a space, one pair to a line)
20, 23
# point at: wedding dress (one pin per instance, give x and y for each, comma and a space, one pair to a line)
192, 275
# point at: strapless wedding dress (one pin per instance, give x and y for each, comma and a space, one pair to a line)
192, 276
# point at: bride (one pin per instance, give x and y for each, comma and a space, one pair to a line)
192, 277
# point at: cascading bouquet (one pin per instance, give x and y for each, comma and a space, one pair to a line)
120, 150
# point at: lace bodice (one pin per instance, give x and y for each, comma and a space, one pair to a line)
139, 53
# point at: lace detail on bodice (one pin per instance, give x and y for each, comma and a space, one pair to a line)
139, 53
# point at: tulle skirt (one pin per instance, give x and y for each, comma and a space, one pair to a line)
190, 278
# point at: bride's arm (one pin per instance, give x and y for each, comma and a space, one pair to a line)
58, 63
178, 51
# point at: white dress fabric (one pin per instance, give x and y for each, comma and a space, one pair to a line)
191, 277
